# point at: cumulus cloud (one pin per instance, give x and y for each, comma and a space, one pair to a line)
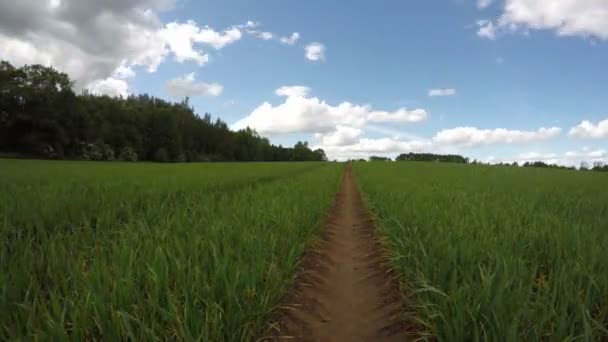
342, 136
400, 115
301, 113
315, 52
587, 18
472, 136
80, 37
99, 42
587, 129
110, 86
588, 154
365, 147
570, 158
182, 39
442, 92
291, 40
186, 86
338, 129
123, 72
217, 39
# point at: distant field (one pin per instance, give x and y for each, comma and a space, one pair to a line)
139, 251
144, 251
495, 253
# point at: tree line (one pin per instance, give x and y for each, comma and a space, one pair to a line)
42, 116
454, 158
444, 158
426, 157
584, 166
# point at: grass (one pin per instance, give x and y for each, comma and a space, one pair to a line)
118, 251
497, 253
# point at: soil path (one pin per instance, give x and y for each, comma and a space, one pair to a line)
345, 292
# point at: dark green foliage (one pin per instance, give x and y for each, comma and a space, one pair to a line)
161, 155
127, 154
40, 115
446, 158
376, 158
600, 167
545, 165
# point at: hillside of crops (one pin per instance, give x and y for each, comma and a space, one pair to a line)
119, 251
496, 253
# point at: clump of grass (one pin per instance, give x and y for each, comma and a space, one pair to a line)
145, 251
497, 253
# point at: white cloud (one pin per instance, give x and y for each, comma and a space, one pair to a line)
249, 25
487, 29
338, 129
96, 40
342, 136
442, 92
481, 4
293, 91
400, 115
300, 113
570, 158
315, 52
81, 37
587, 129
364, 147
251, 28
265, 35
588, 154
186, 86
123, 72
110, 86
291, 40
587, 18
218, 39
181, 39
471, 136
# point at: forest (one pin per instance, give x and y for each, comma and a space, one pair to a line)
448, 158
41, 116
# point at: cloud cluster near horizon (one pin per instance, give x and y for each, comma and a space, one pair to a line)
340, 129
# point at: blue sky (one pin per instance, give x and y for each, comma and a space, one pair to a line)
521, 79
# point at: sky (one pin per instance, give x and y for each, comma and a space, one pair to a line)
494, 80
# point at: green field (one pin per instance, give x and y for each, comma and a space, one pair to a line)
139, 251
119, 251
497, 253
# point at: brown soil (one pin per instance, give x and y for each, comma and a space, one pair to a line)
345, 292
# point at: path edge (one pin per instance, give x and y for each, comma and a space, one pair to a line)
310, 257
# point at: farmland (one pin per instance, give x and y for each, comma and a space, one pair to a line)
491, 253
152, 251
145, 251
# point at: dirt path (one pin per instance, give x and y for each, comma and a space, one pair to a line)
346, 292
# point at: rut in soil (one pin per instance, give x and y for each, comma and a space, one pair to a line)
345, 291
